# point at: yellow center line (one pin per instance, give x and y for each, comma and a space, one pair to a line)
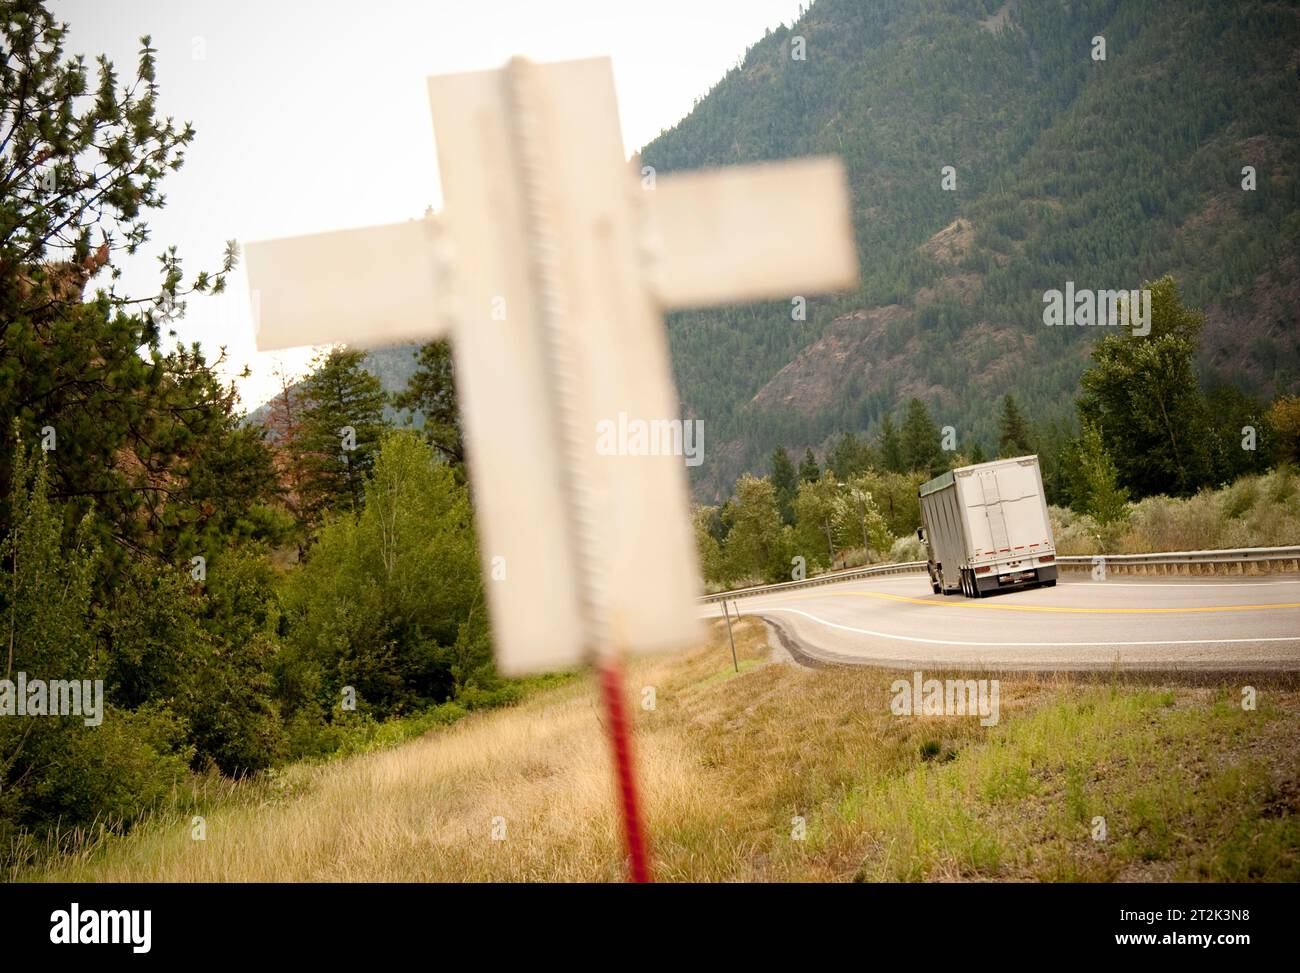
970, 603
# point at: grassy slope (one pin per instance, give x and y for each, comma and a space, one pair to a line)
1191, 786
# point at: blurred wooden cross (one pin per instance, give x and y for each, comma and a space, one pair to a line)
550, 267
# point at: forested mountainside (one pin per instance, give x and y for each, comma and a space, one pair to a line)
1067, 167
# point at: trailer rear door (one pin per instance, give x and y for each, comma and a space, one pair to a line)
992, 496
1006, 512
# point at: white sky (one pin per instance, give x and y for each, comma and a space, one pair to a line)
313, 115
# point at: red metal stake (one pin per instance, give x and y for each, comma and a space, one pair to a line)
611, 682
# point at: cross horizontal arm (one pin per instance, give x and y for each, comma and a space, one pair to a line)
722, 236
369, 287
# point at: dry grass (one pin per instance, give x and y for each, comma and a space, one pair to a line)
1191, 787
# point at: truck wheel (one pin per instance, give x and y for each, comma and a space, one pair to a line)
937, 588
975, 588
965, 584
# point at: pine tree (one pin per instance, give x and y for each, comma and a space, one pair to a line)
977, 455
786, 483
342, 421
147, 436
808, 469
849, 457
891, 448
1013, 431
920, 440
431, 391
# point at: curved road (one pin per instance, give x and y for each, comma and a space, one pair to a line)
1125, 622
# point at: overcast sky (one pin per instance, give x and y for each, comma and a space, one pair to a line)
313, 115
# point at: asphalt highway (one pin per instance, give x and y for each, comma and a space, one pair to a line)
1124, 622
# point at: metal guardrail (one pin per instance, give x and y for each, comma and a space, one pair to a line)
830, 578
1244, 559
1191, 562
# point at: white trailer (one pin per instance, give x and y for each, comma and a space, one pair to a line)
986, 528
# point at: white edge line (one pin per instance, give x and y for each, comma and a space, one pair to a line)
1070, 583
914, 638
1187, 584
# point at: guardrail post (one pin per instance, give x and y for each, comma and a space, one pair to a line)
734, 663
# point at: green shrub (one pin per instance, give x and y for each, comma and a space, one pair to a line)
389, 603
56, 772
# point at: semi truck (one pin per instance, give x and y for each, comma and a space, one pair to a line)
985, 528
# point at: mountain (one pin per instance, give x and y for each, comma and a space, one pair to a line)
1068, 167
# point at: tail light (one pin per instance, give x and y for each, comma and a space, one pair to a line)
1047, 558
984, 569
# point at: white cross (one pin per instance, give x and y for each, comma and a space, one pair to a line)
546, 221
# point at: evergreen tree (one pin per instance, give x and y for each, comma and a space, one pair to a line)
342, 421
977, 455
786, 483
920, 440
808, 469
148, 436
1013, 431
431, 391
891, 448
849, 457
1055, 442
1243, 440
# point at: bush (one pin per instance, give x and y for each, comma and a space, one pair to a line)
1237, 499
390, 603
1076, 535
208, 649
906, 549
1254, 511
